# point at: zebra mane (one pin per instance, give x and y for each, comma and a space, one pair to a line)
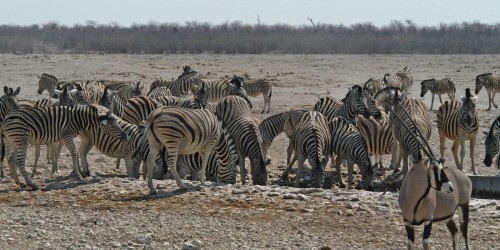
428, 80
47, 75
481, 75
369, 80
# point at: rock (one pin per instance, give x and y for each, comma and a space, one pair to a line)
289, 196
301, 197
272, 194
239, 191
191, 246
116, 245
307, 210
144, 239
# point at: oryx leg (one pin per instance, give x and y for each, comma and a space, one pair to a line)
427, 234
463, 216
410, 235
452, 227
472, 146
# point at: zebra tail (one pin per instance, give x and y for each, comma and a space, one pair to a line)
271, 92
2, 145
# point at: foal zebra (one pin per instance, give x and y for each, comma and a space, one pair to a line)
459, 122
235, 115
47, 82
44, 126
492, 85
492, 143
260, 86
311, 140
438, 87
353, 104
181, 131
348, 144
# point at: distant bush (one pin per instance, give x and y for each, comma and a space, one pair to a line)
236, 37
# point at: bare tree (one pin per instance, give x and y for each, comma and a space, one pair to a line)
314, 25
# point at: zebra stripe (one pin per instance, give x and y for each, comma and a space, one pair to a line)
378, 136
222, 88
182, 132
348, 144
492, 143
492, 85
179, 87
8, 104
438, 87
260, 86
138, 109
353, 104
409, 109
311, 140
125, 89
236, 116
45, 126
372, 86
406, 78
160, 92
47, 82
459, 122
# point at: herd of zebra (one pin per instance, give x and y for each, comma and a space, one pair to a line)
206, 128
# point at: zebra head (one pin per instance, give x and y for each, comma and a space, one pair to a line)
200, 93
9, 100
425, 86
109, 126
397, 95
105, 100
235, 87
357, 98
492, 144
259, 171
137, 91
481, 80
65, 98
46, 82
468, 111
317, 171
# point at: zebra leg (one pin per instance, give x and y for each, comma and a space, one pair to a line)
13, 168
472, 145
267, 100
452, 227
204, 160
350, 170
37, 156
284, 176
300, 170
440, 100
171, 162
19, 161
243, 171
410, 234
427, 233
493, 99
55, 152
70, 145
289, 152
489, 100
85, 147
454, 150
463, 216
117, 166
432, 101
395, 157
338, 162
442, 140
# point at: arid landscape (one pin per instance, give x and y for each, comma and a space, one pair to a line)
108, 210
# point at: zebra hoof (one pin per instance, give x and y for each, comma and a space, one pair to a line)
86, 173
153, 192
22, 185
34, 187
342, 185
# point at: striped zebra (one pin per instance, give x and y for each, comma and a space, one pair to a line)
182, 132
89, 92
45, 126
260, 86
414, 118
138, 108
276, 124
222, 88
235, 115
378, 136
125, 89
393, 81
8, 104
221, 166
179, 87
492, 85
311, 140
353, 104
372, 86
406, 77
492, 143
47, 82
438, 87
160, 92
348, 144
459, 122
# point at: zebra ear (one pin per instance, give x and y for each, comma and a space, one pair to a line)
486, 133
6, 90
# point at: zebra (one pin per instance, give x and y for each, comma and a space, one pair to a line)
459, 122
8, 104
412, 113
89, 92
311, 140
276, 124
231, 86
406, 77
179, 87
260, 86
492, 143
378, 136
492, 85
393, 81
47, 82
138, 108
44, 126
125, 89
160, 92
372, 86
235, 115
348, 144
438, 87
181, 131
353, 104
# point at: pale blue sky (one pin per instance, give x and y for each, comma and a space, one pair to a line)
293, 12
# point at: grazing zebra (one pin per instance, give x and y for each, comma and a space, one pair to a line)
353, 104
47, 82
221, 166
236, 116
160, 92
138, 108
492, 143
179, 87
459, 122
260, 86
311, 140
412, 113
348, 144
182, 132
372, 86
45, 126
438, 87
492, 85
8, 104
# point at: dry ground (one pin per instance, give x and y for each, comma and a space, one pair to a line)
109, 211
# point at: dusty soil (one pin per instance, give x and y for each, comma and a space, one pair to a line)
109, 211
